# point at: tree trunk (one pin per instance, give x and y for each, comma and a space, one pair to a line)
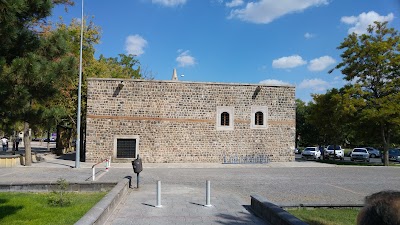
48, 140
386, 141
27, 145
334, 152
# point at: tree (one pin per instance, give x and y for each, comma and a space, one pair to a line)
327, 115
306, 133
372, 62
34, 82
29, 63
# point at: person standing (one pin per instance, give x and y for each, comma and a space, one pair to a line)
4, 142
17, 140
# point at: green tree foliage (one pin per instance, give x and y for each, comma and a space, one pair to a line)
17, 20
30, 63
33, 80
372, 62
67, 97
307, 134
328, 116
124, 66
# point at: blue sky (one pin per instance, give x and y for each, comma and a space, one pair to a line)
236, 41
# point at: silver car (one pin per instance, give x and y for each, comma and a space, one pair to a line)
311, 153
359, 154
373, 152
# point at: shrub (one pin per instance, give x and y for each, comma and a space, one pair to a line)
59, 196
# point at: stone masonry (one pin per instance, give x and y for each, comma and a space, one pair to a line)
177, 121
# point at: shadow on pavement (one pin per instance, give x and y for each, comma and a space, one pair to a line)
148, 205
68, 156
242, 218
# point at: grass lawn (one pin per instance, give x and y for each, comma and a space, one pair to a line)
33, 208
324, 216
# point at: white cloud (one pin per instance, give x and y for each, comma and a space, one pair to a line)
288, 62
169, 3
265, 11
321, 63
361, 22
135, 44
308, 35
274, 82
234, 3
185, 59
317, 85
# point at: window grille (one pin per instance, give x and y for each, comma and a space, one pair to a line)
259, 118
224, 119
126, 148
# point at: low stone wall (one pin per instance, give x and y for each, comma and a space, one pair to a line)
16, 160
9, 160
272, 213
103, 209
47, 187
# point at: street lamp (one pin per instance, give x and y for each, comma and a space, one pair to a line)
78, 121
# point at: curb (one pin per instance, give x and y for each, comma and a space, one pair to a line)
51, 186
272, 213
320, 205
277, 215
100, 213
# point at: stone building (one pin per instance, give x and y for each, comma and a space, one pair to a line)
180, 121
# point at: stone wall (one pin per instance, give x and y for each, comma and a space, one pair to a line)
176, 121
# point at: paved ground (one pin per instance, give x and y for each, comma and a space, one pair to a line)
182, 205
183, 187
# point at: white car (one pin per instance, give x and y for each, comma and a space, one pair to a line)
334, 152
311, 153
359, 154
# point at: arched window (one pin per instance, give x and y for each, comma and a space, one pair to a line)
224, 119
259, 118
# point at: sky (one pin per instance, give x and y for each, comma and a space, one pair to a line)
284, 42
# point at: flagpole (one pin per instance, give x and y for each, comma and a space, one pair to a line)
78, 121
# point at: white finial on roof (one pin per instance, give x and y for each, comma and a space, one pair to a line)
174, 76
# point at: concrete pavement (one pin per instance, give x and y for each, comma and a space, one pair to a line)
181, 205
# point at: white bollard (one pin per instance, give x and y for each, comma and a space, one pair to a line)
208, 194
93, 173
107, 165
158, 194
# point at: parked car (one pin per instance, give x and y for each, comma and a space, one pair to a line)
331, 150
47, 140
394, 155
373, 152
311, 153
359, 154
